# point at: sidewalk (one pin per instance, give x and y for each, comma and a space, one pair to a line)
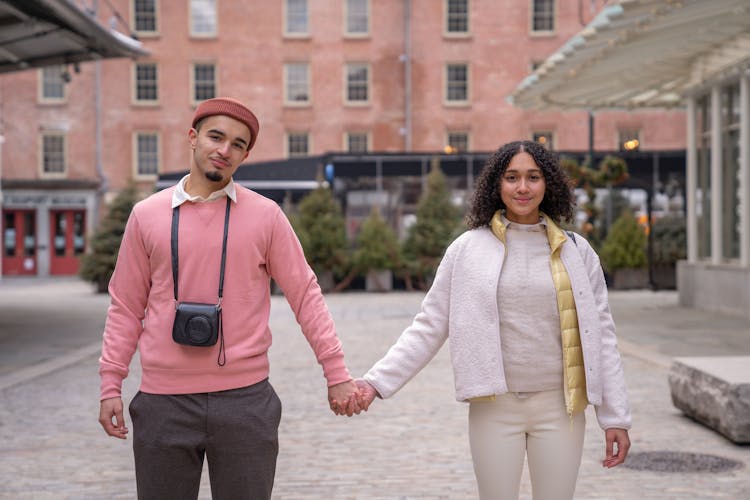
414, 445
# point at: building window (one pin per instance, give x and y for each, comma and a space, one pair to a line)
204, 81
297, 78
357, 142
52, 83
542, 16
53, 154
629, 139
730, 171
457, 142
203, 18
703, 177
146, 154
357, 83
144, 13
457, 83
457, 16
296, 21
357, 17
146, 83
545, 138
298, 145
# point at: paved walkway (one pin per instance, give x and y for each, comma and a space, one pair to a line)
414, 445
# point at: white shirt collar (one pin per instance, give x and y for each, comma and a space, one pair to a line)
180, 196
542, 223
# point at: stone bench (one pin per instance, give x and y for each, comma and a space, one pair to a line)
715, 391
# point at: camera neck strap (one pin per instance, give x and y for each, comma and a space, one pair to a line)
175, 259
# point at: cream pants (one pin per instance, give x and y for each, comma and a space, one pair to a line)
503, 431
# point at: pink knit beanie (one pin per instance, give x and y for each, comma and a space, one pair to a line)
231, 108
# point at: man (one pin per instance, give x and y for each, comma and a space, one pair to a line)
209, 400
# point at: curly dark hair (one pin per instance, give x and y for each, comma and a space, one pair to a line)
558, 202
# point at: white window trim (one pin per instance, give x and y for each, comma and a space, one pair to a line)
40, 90
545, 130
286, 144
358, 104
191, 78
366, 34
297, 104
555, 20
134, 86
461, 131
345, 141
40, 149
457, 34
157, 19
286, 33
213, 34
457, 104
136, 174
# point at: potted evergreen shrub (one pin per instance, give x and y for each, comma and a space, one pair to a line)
623, 253
437, 222
669, 244
98, 264
321, 229
377, 253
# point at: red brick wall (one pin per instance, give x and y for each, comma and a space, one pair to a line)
250, 51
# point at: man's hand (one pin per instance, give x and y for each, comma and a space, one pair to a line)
620, 437
109, 409
367, 393
344, 398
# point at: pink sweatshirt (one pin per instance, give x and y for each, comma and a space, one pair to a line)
261, 245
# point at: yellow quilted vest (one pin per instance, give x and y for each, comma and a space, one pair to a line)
574, 376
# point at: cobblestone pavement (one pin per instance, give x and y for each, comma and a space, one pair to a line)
413, 445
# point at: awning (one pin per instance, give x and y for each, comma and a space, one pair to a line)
641, 53
37, 33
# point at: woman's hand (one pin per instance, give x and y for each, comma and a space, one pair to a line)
620, 438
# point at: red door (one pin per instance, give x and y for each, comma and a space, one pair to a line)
67, 234
19, 242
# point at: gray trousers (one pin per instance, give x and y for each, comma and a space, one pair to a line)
236, 430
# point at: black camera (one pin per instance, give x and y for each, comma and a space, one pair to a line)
196, 324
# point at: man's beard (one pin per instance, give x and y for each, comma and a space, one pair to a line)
214, 176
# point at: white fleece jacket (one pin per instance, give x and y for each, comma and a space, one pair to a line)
462, 306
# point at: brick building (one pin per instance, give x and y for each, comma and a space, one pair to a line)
322, 76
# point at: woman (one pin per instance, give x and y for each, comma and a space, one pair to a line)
524, 307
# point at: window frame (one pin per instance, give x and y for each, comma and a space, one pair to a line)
144, 102
540, 132
43, 155
357, 102
137, 174
446, 24
194, 82
288, 143
191, 21
285, 20
347, 138
448, 144
446, 82
286, 82
368, 20
41, 98
532, 16
145, 33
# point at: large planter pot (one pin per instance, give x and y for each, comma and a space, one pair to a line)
326, 281
664, 276
629, 279
379, 281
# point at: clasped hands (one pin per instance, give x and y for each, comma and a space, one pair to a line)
351, 398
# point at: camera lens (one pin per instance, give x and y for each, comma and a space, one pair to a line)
198, 329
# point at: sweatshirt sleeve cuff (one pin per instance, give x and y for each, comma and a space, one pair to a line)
335, 371
111, 386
